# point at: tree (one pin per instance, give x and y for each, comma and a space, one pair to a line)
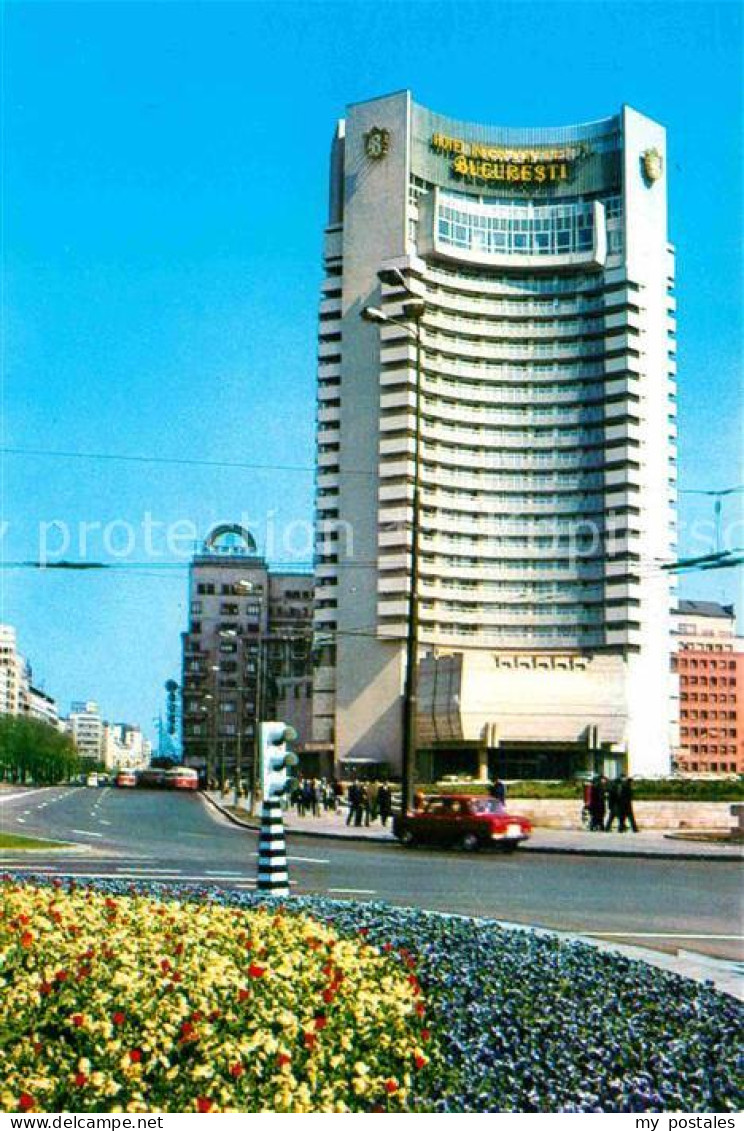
33, 751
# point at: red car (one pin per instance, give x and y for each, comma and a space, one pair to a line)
470, 821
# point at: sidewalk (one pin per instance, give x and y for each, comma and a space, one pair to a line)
559, 841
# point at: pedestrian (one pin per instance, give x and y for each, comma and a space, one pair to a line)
338, 793
298, 798
625, 798
352, 801
373, 793
384, 803
362, 813
497, 790
613, 804
597, 803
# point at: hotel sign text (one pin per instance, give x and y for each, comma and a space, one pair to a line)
517, 166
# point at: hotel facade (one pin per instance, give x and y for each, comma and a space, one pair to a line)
545, 389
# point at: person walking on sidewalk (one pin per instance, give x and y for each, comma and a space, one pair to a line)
597, 803
613, 804
373, 792
625, 798
497, 790
362, 813
384, 803
354, 802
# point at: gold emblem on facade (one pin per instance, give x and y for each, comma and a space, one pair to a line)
376, 143
653, 165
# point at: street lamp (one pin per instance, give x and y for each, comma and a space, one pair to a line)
413, 309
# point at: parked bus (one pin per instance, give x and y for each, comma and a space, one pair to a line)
126, 779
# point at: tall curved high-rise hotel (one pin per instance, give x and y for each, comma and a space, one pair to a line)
547, 443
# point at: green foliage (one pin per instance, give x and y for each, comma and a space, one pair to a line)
33, 751
644, 789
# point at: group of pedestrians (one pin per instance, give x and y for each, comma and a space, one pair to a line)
367, 801
608, 801
310, 796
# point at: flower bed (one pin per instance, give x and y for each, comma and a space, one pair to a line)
512, 1020
128, 1003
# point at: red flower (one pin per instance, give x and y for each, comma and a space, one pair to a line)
391, 1086
45, 988
255, 971
425, 1034
320, 1021
243, 994
37, 1047
203, 1104
309, 1040
283, 1058
27, 939
135, 1055
165, 965
61, 976
119, 1018
77, 1020
215, 1015
420, 1008
419, 1060
24, 919
25, 1101
387, 946
236, 1070
81, 1080
328, 996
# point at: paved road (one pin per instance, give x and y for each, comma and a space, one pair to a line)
664, 904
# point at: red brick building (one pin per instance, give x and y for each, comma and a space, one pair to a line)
710, 664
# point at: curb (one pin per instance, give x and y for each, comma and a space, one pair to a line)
546, 850
375, 838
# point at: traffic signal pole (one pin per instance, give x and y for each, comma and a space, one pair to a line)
273, 874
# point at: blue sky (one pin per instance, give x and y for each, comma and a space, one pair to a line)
165, 187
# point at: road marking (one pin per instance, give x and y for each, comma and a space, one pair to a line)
21, 820
352, 891
302, 859
146, 869
18, 866
85, 832
227, 875
657, 935
101, 822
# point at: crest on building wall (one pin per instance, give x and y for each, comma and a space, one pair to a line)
653, 165
376, 143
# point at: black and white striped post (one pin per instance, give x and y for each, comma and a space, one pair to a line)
273, 873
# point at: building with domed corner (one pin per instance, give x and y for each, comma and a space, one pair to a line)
539, 422
245, 655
